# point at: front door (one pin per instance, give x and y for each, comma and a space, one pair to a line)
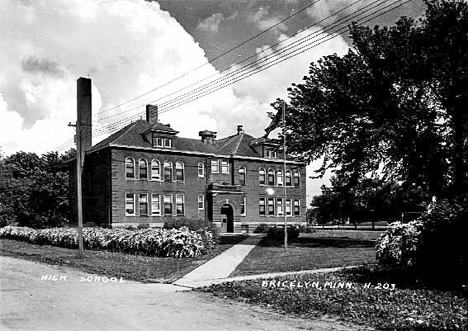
227, 216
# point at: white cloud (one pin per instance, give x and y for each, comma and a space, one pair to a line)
211, 23
264, 21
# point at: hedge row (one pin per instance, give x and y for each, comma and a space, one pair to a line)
153, 242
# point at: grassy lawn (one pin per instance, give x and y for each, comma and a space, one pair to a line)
321, 249
400, 302
130, 267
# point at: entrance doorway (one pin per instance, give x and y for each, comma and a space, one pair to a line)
227, 216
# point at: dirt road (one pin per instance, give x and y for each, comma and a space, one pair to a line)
37, 296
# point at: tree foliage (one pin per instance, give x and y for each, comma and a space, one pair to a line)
395, 104
34, 189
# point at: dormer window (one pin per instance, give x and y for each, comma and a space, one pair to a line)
161, 141
270, 154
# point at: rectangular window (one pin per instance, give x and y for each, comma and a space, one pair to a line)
129, 204
261, 206
180, 204
243, 210
214, 166
168, 205
288, 208
201, 202
201, 170
279, 206
224, 167
271, 206
297, 207
167, 142
159, 142
143, 204
155, 205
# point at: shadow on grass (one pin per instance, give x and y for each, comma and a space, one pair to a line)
339, 242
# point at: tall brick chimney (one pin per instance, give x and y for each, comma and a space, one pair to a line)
84, 115
152, 114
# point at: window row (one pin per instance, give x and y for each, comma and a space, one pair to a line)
152, 204
155, 171
277, 178
275, 206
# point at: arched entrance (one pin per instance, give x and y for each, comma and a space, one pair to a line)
227, 217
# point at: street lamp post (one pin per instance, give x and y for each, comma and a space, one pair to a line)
284, 184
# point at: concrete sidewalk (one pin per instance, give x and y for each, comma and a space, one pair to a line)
219, 268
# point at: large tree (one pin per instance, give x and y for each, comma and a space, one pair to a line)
34, 189
395, 104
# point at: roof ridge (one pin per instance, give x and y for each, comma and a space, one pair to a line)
228, 141
238, 143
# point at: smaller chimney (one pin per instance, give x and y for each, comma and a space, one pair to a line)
240, 129
152, 114
207, 136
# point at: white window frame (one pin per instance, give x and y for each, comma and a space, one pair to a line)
289, 202
164, 171
270, 172
139, 168
201, 202
134, 204
171, 202
279, 206
268, 206
264, 206
182, 203
154, 161
286, 178
279, 174
242, 172
140, 195
215, 165
298, 206
155, 211
167, 143
224, 167
182, 167
201, 167
264, 176
133, 166
297, 175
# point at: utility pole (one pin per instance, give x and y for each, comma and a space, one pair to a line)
284, 184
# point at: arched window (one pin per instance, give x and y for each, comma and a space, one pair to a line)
180, 176
143, 169
271, 177
129, 168
201, 169
279, 178
261, 176
167, 171
155, 170
288, 178
242, 176
297, 179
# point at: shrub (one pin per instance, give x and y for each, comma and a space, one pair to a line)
194, 225
398, 246
154, 242
261, 228
278, 233
434, 244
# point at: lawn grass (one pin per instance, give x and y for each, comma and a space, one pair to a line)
130, 267
400, 302
321, 249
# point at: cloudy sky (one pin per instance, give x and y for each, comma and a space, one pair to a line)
138, 52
